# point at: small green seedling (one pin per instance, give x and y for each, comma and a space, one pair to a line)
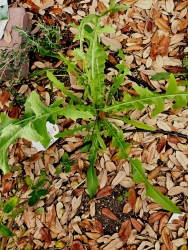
38, 191
66, 164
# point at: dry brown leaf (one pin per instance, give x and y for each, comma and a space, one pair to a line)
7, 36
127, 208
35, 157
182, 25
76, 245
50, 216
114, 44
108, 213
136, 225
127, 182
39, 65
163, 221
182, 158
166, 238
98, 226
138, 205
45, 235
119, 177
125, 231
134, 47
4, 97
29, 219
163, 190
161, 24
181, 5
104, 192
93, 236
144, 4
132, 197
161, 144
154, 173
14, 112
128, 2
7, 186
102, 8
155, 216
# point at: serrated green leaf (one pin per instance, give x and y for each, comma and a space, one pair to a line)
32, 126
11, 204
72, 131
139, 176
136, 124
60, 86
148, 97
4, 231
118, 139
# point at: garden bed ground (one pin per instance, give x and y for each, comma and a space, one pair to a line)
153, 36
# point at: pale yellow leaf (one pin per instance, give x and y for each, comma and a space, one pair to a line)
144, 4
114, 44
7, 36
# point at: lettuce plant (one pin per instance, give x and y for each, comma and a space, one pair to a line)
97, 106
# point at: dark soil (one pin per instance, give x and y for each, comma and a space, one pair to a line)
109, 226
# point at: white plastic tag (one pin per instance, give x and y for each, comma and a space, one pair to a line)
52, 131
3, 16
176, 217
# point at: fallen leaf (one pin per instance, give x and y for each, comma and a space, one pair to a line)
93, 236
35, 157
182, 25
7, 36
14, 112
161, 24
29, 219
156, 216
114, 44
136, 225
108, 213
50, 216
132, 197
76, 245
154, 173
161, 144
45, 235
144, 4
181, 5
125, 231
104, 192
7, 186
98, 226
166, 238
163, 221
4, 97
182, 158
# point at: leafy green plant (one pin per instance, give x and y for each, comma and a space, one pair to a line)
49, 38
38, 191
66, 164
101, 106
8, 211
166, 75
